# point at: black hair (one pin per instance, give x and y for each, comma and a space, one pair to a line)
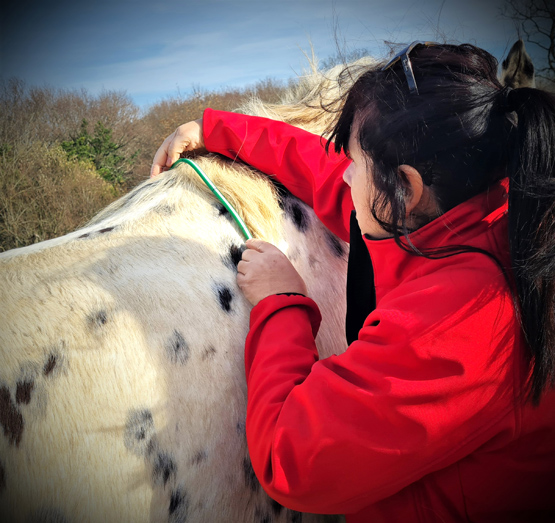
464, 132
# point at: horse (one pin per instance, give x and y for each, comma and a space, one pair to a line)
122, 390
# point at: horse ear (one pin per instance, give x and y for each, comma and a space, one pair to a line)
517, 70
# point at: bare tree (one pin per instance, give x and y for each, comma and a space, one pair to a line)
536, 20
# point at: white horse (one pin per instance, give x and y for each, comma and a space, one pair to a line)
122, 391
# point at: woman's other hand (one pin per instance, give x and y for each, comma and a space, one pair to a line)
187, 137
264, 270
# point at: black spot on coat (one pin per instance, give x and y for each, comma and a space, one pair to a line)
10, 417
250, 477
210, 352
49, 365
335, 245
177, 348
222, 210
151, 447
200, 457
55, 362
164, 468
233, 257
164, 209
235, 254
23, 392
96, 233
225, 296
97, 319
175, 501
297, 214
282, 192
179, 506
241, 428
2, 478
139, 430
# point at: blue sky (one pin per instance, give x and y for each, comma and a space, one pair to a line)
155, 49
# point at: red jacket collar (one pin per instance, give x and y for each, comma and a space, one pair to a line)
465, 224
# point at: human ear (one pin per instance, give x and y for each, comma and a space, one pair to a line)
414, 185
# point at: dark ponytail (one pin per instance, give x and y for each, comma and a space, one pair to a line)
531, 172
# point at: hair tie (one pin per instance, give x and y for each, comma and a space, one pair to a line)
505, 99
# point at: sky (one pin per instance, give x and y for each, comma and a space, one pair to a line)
157, 49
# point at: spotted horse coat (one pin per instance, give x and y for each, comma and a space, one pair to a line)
122, 390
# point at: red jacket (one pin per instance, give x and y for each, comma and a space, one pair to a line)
423, 418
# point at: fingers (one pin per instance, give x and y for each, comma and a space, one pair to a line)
176, 146
264, 270
160, 158
257, 245
187, 137
241, 271
248, 254
254, 248
168, 153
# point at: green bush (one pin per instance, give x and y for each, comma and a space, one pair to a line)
100, 149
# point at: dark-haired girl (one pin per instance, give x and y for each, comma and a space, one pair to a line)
443, 407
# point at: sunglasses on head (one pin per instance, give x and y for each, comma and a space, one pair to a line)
403, 56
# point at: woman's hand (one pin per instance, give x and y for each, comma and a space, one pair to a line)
187, 137
264, 270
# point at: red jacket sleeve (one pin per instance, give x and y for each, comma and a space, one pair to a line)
426, 384
295, 157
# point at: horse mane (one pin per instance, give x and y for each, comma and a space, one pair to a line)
314, 101
250, 193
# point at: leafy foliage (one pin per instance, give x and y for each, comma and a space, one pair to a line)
44, 195
100, 149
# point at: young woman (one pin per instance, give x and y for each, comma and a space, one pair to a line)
443, 407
